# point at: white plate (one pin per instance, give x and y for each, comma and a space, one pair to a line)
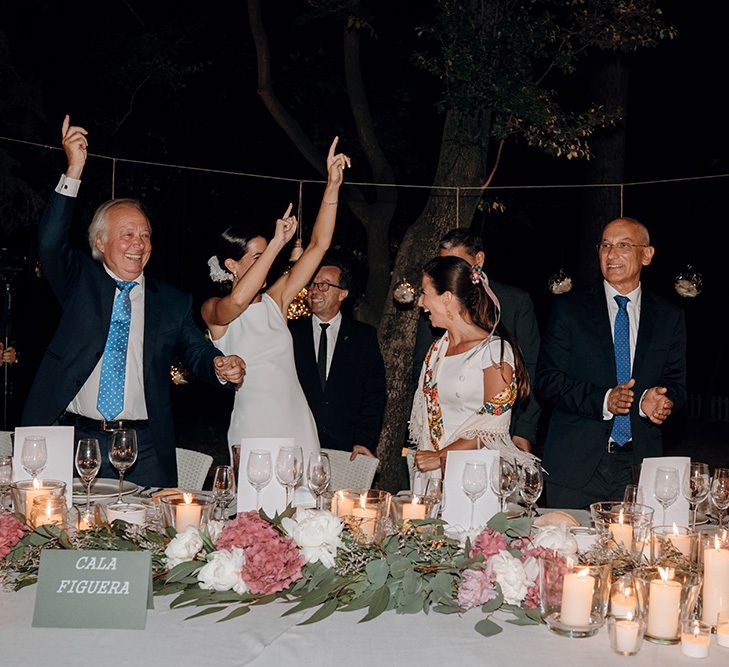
102, 488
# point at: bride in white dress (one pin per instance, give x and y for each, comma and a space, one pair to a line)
270, 403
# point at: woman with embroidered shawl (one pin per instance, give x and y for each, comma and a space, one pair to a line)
471, 376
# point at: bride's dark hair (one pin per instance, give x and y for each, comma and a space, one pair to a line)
233, 244
453, 274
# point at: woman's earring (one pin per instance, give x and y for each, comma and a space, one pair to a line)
449, 315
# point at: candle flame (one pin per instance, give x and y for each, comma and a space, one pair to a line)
696, 629
187, 497
583, 572
620, 517
416, 500
664, 572
675, 528
363, 501
37, 484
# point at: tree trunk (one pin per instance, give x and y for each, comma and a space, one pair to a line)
609, 87
461, 162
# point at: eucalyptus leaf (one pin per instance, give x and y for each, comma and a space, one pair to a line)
493, 604
487, 628
327, 609
411, 582
238, 611
522, 620
377, 571
399, 566
380, 600
410, 604
205, 612
521, 526
441, 586
183, 570
535, 615
447, 609
499, 523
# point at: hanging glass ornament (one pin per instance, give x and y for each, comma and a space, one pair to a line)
689, 283
560, 283
404, 293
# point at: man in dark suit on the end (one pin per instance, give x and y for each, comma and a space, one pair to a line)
107, 367
613, 364
339, 365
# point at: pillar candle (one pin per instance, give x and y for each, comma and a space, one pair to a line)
367, 523
577, 598
716, 582
187, 513
621, 532
680, 542
410, 511
664, 602
344, 506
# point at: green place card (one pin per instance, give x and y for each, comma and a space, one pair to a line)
93, 589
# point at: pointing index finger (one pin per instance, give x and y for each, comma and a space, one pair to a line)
288, 211
333, 147
65, 126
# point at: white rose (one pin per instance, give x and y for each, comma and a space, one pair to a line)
559, 538
510, 575
215, 528
317, 534
222, 572
183, 546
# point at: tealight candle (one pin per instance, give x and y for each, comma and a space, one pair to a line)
622, 533
577, 592
722, 629
187, 513
412, 510
36, 491
695, 639
47, 511
129, 512
664, 603
627, 635
716, 581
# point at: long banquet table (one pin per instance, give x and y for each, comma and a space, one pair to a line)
263, 637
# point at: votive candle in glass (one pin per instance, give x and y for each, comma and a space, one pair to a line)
695, 639
722, 629
626, 634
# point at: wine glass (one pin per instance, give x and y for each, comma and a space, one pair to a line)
504, 479
123, 453
223, 489
318, 475
720, 492
633, 495
475, 480
531, 483
666, 488
289, 469
88, 464
34, 454
434, 492
6, 476
695, 487
259, 471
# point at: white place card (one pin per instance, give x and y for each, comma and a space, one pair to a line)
457, 505
678, 511
60, 448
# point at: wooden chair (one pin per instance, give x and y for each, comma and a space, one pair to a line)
6, 443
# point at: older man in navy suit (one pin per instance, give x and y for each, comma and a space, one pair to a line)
107, 366
613, 364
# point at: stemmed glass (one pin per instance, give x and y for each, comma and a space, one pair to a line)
223, 489
318, 475
123, 453
475, 480
531, 483
666, 488
6, 476
633, 495
434, 492
720, 492
504, 479
88, 464
259, 471
289, 469
34, 454
695, 487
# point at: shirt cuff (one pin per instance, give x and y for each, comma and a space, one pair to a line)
640, 405
68, 186
606, 414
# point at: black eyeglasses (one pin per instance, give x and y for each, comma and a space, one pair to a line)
323, 287
621, 246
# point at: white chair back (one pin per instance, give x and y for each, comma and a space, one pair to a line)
192, 468
6, 443
346, 474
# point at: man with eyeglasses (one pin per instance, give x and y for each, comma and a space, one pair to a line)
613, 364
339, 365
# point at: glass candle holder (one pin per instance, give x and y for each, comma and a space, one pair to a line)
627, 597
88, 519
26, 491
574, 598
180, 510
668, 542
49, 511
365, 513
722, 629
624, 524
695, 639
408, 507
626, 634
669, 597
134, 513
715, 567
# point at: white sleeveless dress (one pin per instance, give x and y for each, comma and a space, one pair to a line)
270, 403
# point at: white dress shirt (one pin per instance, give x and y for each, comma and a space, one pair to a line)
331, 333
135, 407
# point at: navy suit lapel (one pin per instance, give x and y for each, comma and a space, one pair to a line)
338, 360
152, 320
648, 316
597, 313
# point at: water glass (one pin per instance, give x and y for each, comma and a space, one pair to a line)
34, 454
531, 483
123, 453
633, 495
88, 464
318, 475
504, 479
434, 493
289, 469
223, 489
259, 471
475, 480
666, 488
6, 477
719, 492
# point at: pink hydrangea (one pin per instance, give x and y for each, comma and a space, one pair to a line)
488, 543
533, 597
477, 587
272, 561
11, 532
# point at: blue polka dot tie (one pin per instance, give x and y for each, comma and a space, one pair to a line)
114, 364
621, 424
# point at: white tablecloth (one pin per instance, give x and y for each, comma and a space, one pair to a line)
262, 637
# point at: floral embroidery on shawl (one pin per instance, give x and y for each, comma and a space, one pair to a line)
430, 391
501, 403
